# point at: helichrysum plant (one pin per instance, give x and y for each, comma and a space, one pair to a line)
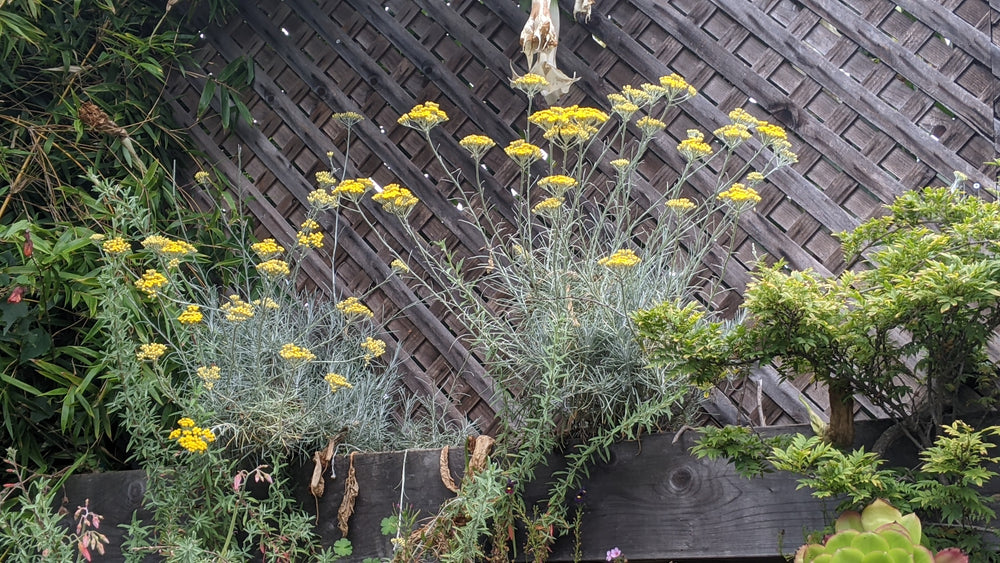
565, 274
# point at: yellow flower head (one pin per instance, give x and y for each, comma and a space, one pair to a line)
620, 164
557, 185
733, 134
694, 147
566, 126
620, 260
209, 375
754, 178
309, 239
266, 303
337, 382
680, 204
477, 145
739, 194
321, 199
770, 133
116, 245
423, 117
202, 177
325, 179
296, 354
373, 348
150, 282
396, 200
548, 206
191, 315
677, 88
353, 307
637, 96
237, 310
650, 126
267, 249
274, 268
530, 83
168, 247
152, 352
353, 188
399, 266
654, 92
740, 116
348, 118
523, 152
194, 439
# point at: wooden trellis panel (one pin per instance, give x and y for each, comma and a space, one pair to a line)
878, 97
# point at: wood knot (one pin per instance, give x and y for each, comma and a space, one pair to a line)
680, 480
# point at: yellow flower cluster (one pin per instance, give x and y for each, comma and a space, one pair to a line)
237, 310
677, 87
477, 145
754, 178
266, 303
637, 96
566, 126
209, 375
337, 382
201, 177
192, 438
150, 282
770, 132
116, 246
558, 184
267, 249
738, 193
650, 126
168, 247
353, 307
296, 354
399, 266
373, 348
530, 83
152, 352
694, 147
274, 268
310, 235
548, 206
348, 118
680, 204
396, 199
310, 240
620, 164
321, 199
353, 188
741, 116
733, 134
620, 260
191, 315
325, 179
523, 152
621, 105
423, 117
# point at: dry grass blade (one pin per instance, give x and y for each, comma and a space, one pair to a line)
445, 471
350, 495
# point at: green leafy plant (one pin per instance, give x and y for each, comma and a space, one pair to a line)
945, 488
33, 530
919, 314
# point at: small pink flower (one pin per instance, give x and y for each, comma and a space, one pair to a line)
613, 553
29, 247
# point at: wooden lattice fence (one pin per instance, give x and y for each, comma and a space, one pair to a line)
878, 97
